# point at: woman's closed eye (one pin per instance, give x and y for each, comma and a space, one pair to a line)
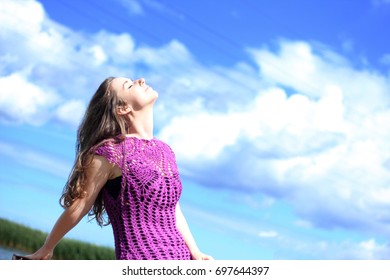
129, 82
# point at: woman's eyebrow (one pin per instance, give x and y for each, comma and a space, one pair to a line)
124, 84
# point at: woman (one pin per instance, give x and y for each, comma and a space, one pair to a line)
123, 170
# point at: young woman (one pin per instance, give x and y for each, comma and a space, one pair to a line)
123, 170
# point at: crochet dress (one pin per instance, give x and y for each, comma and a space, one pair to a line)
142, 208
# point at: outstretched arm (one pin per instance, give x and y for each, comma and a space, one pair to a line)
97, 175
184, 229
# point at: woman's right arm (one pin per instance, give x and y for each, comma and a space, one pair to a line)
97, 175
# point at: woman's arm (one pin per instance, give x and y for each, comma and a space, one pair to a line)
182, 226
97, 175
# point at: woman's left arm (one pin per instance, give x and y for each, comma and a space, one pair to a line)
184, 229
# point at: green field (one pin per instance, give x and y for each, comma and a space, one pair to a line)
22, 238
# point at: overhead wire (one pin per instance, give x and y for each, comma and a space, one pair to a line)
237, 45
113, 16
206, 27
262, 13
125, 21
118, 17
234, 43
194, 35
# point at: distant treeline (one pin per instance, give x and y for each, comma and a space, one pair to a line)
25, 239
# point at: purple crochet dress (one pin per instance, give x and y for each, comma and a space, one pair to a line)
142, 213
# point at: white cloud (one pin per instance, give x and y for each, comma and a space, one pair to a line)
99, 57
370, 249
268, 234
332, 250
295, 121
137, 7
202, 135
26, 20
31, 37
133, 6
174, 52
308, 71
57, 63
119, 48
73, 64
35, 159
23, 101
322, 146
386, 59
284, 241
348, 45
71, 112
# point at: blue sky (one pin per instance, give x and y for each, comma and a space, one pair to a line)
277, 111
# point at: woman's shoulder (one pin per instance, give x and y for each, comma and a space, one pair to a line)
137, 144
128, 143
164, 146
108, 147
142, 142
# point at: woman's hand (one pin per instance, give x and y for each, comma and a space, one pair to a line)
200, 256
41, 254
97, 174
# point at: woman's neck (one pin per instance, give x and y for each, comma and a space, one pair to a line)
141, 125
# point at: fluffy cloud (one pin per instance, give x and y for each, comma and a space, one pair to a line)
21, 101
35, 159
132, 6
314, 135
386, 59
72, 64
285, 241
310, 70
63, 65
369, 249
71, 112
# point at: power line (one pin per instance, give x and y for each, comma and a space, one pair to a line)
194, 35
146, 34
113, 16
234, 43
278, 68
125, 21
207, 28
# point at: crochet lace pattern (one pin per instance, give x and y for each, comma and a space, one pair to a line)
143, 214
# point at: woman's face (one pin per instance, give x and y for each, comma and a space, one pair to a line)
136, 93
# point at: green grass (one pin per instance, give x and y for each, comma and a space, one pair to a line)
22, 238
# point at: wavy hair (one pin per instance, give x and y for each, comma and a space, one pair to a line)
100, 123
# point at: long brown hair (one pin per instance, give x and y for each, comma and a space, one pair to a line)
100, 123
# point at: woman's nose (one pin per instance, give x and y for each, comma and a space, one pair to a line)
141, 81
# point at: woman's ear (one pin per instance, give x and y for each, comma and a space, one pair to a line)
123, 110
